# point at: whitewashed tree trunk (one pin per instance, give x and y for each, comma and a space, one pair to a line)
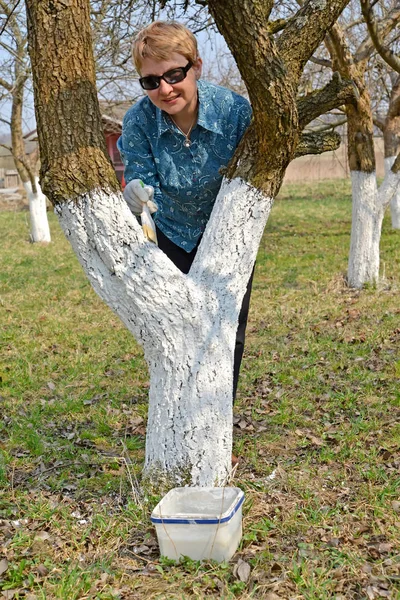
365, 230
369, 205
186, 323
40, 230
395, 202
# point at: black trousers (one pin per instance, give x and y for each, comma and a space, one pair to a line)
183, 260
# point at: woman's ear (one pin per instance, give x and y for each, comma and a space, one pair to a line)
198, 67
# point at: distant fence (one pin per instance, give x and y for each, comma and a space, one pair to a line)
329, 165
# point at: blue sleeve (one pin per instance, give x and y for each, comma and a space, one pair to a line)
137, 156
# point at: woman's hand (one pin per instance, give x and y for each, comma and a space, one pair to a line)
136, 194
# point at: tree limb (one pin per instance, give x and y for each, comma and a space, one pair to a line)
338, 48
278, 25
336, 93
306, 30
379, 123
9, 13
317, 143
329, 126
6, 85
324, 62
366, 48
6, 147
388, 55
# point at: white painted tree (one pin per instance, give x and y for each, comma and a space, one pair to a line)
369, 202
15, 72
185, 323
390, 126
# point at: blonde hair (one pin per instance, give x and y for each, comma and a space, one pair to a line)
161, 39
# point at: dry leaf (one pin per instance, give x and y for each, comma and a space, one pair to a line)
315, 440
3, 565
42, 570
41, 536
242, 570
9, 594
396, 505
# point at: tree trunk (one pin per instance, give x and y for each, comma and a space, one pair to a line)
391, 137
186, 324
366, 227
395, 201
40, 230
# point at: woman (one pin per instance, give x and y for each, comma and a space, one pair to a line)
176, 140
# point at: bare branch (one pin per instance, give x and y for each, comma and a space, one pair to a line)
278, 25
388, 55
379, 123
323, 62
10, 50
367, 47
9, 14
6, 147
6, 85
329, 126
342, 59
336, 93
317, 143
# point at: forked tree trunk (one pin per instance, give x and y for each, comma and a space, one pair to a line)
185, 323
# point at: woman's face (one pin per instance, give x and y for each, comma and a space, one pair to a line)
178, 99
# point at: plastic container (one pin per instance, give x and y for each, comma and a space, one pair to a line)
201, 523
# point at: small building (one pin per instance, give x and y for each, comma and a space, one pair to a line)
112, 114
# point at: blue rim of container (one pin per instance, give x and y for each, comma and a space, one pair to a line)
200, 521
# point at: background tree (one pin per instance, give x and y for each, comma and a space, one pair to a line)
369, 201
390, 83
186, 323
15, 72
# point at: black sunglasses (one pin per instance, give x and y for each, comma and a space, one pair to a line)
152, 82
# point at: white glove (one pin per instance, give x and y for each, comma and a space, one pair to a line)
137, 194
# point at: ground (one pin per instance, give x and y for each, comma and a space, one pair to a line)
317, 425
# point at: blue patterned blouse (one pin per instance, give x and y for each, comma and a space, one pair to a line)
186, 181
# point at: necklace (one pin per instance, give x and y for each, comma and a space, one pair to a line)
187, 143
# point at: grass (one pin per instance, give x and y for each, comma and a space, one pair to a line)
318, 428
